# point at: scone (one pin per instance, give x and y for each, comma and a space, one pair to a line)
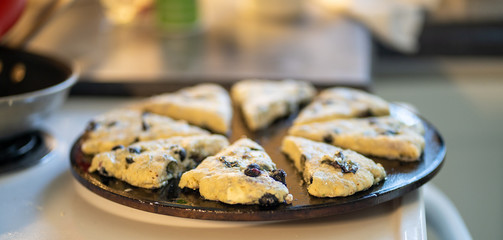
340, 102
205, 105
127, 126
263, 101
330, 171
242, 173
377, 136
152, 164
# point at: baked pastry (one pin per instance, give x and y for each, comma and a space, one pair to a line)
152, 164
204, 105
126, 126
242, 173
330, 171
377, 136
340, 102
263, 101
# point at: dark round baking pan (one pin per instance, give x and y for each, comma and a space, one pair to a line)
171, 200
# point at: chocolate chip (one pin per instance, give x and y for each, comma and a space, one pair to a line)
268, 201
129, 160
328, 138
279, 175
117, 147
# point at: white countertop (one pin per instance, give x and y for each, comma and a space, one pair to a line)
46, 202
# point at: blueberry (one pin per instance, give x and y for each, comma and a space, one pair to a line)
253, 165
144, 125
103, 172
279, 175
252, 170
340, 155
303, 160
129, 160
136, 150
197, 157
112, 123
182, 153
227, 163
117, 147
372, 121
328, 138
366, 113
327, 101
91, 126
390, 132
268, 201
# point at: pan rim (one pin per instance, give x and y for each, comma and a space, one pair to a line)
70, 65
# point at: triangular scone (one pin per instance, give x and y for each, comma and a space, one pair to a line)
340, 102
263, 101
152, 164
205, 105
157, 127
377, 136
330, 171
242, 173
126, 126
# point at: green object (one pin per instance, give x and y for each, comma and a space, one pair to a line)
177, 14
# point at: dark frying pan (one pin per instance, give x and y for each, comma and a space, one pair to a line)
31, 87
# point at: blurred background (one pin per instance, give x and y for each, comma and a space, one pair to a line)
445, 57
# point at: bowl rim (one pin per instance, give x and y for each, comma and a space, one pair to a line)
65, 84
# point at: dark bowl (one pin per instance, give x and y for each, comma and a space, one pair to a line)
32, 86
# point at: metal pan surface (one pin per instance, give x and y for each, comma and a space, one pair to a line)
171, 200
